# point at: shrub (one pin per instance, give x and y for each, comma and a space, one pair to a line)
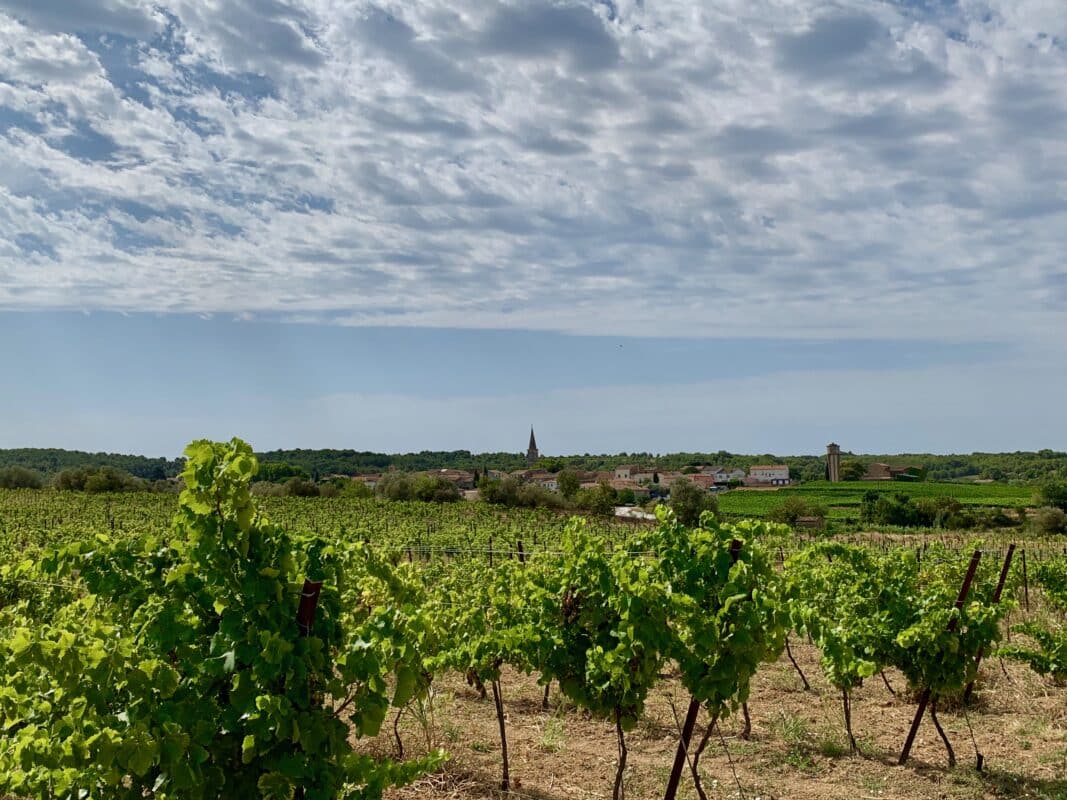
533, 496
1050, 521
357, 489
600, 500
793, 508
1053, 493
689, 501
499, 491
298, 487
434, 489
20, 478
396, 486
97, 479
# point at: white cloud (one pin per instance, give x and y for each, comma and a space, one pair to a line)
757, 168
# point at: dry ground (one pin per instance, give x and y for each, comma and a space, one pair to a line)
797, 748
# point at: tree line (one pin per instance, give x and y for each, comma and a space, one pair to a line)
1020, 466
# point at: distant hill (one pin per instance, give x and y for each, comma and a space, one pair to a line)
1018, 466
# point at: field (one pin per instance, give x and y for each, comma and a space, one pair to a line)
842, 500
455, 575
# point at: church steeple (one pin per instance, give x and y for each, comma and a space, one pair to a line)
531, 452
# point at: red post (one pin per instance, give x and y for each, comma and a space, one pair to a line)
309, 601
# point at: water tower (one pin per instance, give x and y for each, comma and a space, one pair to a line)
833, 463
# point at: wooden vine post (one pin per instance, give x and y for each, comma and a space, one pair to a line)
1026, 582
924, 698
996, 599
686, 736
309, 602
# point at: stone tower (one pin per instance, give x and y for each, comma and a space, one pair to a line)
833, 463
531, 452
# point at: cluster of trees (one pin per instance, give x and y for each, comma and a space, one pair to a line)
50, 461
81, 479
427, 488
686, 498
20, 478
881, 508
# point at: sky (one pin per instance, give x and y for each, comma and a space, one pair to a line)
639, 226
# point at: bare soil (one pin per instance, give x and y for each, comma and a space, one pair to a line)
797, 747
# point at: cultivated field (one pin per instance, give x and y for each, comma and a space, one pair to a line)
842, 500
467, 596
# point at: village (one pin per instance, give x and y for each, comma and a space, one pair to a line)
643, 481
647, 482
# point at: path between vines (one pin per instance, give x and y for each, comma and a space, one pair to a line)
797, 749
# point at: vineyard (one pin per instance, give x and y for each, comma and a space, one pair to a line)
219, 645
843, 500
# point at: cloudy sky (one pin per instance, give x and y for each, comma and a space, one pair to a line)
752, 225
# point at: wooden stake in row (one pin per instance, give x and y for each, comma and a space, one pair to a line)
690, 719
924, 698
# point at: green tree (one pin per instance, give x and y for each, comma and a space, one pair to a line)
20, 478
299, 487
281, 471
435, 489
568, 483
852, 470
1053, 493
600, 500
97, 479
689, 501
396, 486
499, 491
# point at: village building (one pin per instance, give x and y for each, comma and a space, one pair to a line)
773, 474
884, 472
460, 478
724, 475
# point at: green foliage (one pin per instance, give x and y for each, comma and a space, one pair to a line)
1050, 521
1053, 493
20, 478
568, 483
795, 507
603, 626
725, 606
280, 472
434, 489
1052, 577
97, 479
599, 500
852, 470
181, 673
843, 598
396, 486
1048, 653
299, 487
690, 501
